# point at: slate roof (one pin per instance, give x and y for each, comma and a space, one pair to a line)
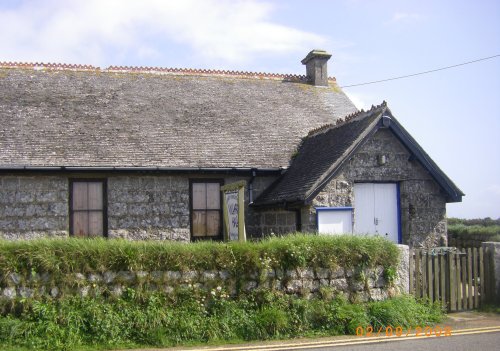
81, 116
324, 151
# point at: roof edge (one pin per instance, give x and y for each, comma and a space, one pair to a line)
98, 169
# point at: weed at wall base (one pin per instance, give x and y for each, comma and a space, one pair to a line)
156, 320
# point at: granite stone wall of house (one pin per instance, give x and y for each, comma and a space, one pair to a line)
139, 207
423, 207
148, 207
33, 206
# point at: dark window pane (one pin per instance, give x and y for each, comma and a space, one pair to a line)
80, 223
213, 196
199, 196
80, 200
95, 223
95, 196
199, 223
213, 223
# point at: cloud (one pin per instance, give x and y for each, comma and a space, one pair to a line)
91, 31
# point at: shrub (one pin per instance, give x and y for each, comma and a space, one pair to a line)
156, 320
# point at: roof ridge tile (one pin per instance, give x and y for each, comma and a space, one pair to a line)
49, 66
149, 69
346, 119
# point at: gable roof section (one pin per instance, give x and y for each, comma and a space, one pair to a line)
324, 151
81, 116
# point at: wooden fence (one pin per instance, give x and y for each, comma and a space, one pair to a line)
460, 280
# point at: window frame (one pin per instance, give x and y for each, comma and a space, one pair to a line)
192, 181
104, 182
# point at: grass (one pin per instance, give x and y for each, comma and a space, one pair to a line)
156, 320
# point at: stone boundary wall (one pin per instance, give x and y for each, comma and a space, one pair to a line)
369, 284
356, 284
494, 249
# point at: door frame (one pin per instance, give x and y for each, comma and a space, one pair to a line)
398, 204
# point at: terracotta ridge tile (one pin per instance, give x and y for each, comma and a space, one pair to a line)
161, 70
49, 66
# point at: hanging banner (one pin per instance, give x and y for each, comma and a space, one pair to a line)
233, 197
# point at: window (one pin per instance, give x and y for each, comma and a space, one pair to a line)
334, 220
88, 208
206, 210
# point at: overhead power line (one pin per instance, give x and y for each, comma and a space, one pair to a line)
420, 73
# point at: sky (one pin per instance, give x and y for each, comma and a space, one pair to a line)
453, 114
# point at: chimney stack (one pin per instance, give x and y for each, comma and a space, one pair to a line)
316, 71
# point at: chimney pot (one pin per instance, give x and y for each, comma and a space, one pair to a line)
316, 67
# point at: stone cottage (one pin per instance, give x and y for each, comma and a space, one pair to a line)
141, 153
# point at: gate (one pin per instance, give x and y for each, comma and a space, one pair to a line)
460, 280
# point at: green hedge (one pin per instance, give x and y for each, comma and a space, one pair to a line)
486, 233
160, 320
62, 256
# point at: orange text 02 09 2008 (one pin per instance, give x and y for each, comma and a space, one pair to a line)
399, 331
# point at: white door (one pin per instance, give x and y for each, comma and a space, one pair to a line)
376, 210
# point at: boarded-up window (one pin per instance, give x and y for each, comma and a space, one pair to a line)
87, 208
206, 210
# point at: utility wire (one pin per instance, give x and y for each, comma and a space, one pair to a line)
420, 73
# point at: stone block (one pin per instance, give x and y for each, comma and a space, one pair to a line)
141, 275
15, 278
188, 276
47, 196
24, 197
9, 292
322, 273
292, 273
117, 290
95, 278
307, 284
14, 211
209, 275
109, 277
25, 292
402, 282
377, 294
79, 277
224, 275
251, 285
339, 284
306, 273
294, 285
